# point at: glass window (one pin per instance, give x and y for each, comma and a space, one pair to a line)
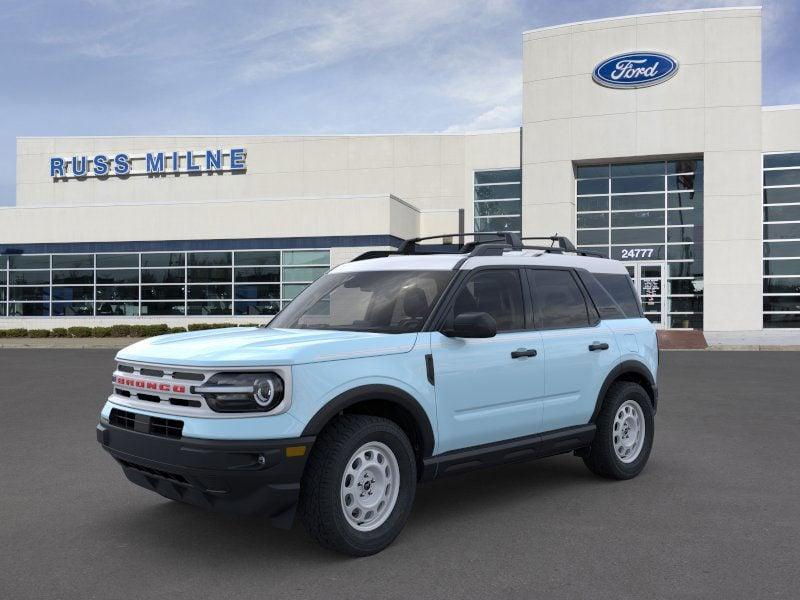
29, 277
209, 292
498, 207
3, 261
785, 320
499, 176
637, 202
788, 177
639, 218
163, 259
29, 293
209, 308
592, 236
303, 274
209, 259
256, 308
680, 234
652, 168
683, 182
606, 306
493, 192
29, 261
162, 292
782, 303
208, 275
28, 309
637, 184
117, 276
163, 275
782, 160
120, 292
497, 292
117, 261
117, 309
782, 213
73, 261
306, 257
680, 252
684, 217
620, 287
62, 277
686, 321
592, 186
257, 258
593, 220
257, 274
684, 166
498, 224
84, 292
162, 308
782, 195
637, 236
256, 292
685, 286
679, 304
593, 203
293, 290
782, 231
602, 250
373, 301
588, 171
781, 249
782, 267
782, 285
685, 200
558, 300
73, 309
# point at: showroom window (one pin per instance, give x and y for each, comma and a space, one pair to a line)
649, 214
781, 301
498, 200
202, 283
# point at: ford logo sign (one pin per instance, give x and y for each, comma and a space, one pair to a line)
635, 70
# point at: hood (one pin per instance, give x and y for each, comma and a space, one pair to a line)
257, 346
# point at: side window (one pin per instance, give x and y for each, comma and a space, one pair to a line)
620, 288
607, 307
558, 299
497, 292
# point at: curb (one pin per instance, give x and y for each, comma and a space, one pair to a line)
67, 343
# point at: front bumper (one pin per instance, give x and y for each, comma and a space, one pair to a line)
244, 477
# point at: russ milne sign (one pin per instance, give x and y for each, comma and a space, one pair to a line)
151, 163
635, 70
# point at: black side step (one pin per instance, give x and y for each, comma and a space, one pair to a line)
519, 449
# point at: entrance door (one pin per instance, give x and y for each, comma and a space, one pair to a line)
648, 278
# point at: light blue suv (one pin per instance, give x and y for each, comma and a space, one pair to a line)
392, 369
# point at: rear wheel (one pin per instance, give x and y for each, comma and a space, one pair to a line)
624, 435
359, 485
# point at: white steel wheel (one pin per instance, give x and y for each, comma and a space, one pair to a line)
370, 485
629, 431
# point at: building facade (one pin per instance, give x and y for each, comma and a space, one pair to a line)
643, 138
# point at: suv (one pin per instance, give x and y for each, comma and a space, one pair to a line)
395, 368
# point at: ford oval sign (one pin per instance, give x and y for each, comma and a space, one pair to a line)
635, 70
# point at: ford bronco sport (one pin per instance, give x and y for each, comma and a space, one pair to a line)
395, 368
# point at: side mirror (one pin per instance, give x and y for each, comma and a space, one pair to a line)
473, 325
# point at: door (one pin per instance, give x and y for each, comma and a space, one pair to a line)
648, 279
489, 389
579, 349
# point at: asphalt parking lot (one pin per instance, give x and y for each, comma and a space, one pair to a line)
716, 513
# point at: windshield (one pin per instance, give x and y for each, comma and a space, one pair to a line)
372, 301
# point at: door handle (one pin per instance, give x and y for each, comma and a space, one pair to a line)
522, 352
598, 346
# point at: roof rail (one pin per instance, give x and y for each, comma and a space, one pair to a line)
486, 243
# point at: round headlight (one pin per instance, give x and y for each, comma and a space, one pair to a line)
264, 392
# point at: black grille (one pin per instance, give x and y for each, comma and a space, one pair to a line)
169, 428
151, 372
188, 376
122, 418
157, 472
125, 368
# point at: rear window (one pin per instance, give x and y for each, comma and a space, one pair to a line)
619, 291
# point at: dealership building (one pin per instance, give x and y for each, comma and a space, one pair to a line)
643, 138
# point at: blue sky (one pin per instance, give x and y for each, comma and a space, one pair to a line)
102, 67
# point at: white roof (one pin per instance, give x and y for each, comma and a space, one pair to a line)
446, 262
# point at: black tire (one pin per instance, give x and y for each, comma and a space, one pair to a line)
601, 458
320, 506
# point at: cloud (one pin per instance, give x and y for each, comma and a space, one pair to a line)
497, 117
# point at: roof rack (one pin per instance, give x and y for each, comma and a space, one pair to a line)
486, 243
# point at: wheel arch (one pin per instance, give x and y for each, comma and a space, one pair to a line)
629, 370
382, 401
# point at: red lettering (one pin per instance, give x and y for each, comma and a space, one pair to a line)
163, 387
179, 389
151, 385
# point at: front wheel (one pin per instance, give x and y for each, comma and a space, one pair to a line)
624, 435
359, 485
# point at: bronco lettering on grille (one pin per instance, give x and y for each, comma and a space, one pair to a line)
149, 385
